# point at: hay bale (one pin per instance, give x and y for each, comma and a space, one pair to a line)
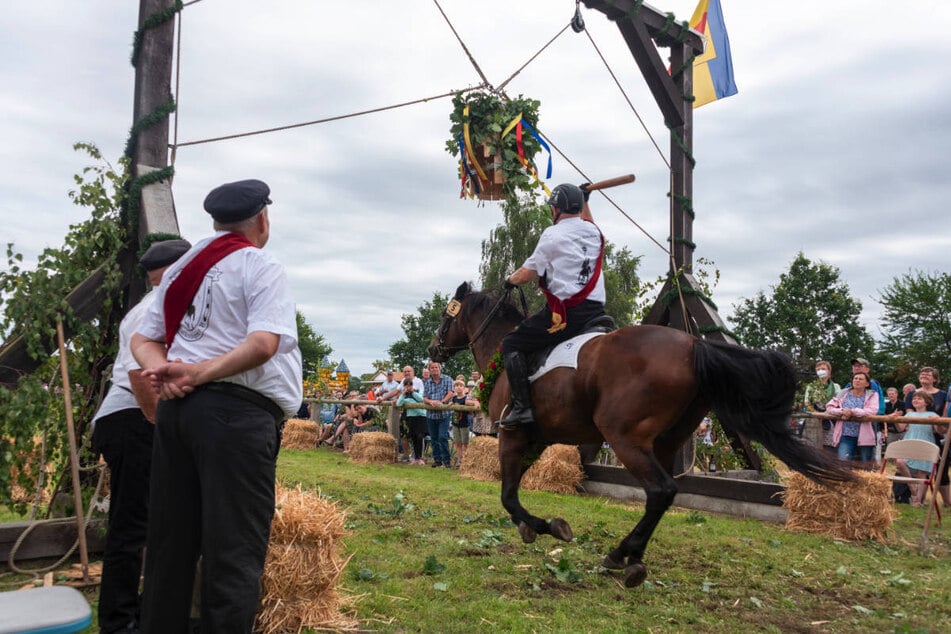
557, 470
300, 434
303, 567
850, 510
373, 447
481, 461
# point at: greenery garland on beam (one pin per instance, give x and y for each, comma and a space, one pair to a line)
156, 19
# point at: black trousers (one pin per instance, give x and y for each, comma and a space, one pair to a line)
212, 495
124, 439
532, 334
418, 428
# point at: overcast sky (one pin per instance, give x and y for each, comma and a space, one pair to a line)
836, 144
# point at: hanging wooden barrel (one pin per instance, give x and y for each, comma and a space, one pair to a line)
492, 166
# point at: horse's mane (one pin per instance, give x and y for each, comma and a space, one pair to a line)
484, 300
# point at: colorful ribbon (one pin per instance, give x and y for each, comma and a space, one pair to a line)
516, 124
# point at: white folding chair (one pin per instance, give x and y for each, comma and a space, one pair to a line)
915, 450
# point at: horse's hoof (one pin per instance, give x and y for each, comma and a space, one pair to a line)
635, 574
612, 564
527, 533
561, 530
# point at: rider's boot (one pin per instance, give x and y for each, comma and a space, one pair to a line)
517, 370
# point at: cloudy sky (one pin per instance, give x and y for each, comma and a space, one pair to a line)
835, 145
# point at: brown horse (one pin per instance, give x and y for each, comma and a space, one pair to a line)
642, 389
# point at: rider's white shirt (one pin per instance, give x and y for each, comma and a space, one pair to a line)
566, 255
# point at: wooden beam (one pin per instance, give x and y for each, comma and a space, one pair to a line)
654, 71
48, 538
657, 23
86, 301
709, 485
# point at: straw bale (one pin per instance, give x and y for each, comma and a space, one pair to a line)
481, 461
557, 470
850, 510
373, 447
303, 567
300, 433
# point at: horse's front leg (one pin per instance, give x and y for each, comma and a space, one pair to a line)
660, 488
516, 455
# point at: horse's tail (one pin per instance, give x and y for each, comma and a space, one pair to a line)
752, 392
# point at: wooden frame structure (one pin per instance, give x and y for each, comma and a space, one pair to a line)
680, 303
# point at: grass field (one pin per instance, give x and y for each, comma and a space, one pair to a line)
432, 552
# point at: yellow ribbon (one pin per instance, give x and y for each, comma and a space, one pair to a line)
465, 135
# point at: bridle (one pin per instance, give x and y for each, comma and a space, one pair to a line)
453, 308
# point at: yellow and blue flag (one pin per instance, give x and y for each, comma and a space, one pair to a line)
713, 70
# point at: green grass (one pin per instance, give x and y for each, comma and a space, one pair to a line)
433, 552
707, 573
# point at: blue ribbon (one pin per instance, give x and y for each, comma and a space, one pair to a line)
541, 142
465, 165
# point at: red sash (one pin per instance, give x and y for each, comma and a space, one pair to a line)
181, 292
559, 308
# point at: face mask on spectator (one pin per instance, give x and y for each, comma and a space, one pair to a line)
822, 374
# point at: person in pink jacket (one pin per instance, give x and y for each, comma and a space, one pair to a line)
850, 405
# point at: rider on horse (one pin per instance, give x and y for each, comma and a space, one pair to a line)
567, 262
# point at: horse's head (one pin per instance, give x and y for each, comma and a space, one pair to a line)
451, 336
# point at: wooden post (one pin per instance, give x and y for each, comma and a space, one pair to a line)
153, 90
73, 452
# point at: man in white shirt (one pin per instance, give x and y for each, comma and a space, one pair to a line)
220, 345
567, 262
122, 432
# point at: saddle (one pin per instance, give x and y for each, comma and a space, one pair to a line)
565, 353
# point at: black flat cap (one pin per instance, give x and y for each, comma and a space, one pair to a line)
163, 253
234, 202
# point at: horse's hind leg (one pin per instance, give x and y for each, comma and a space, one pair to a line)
514, 460
660, 488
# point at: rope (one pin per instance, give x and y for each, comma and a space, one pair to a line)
178, 94
608, 198
463, 45
532, 58
325, 120
628, 100
11, 559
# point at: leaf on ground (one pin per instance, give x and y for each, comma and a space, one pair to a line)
862, 610
440, 587
756, 602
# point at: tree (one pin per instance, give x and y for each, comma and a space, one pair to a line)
916, 324
313, 347
510, 244
32, 301
381, 365
419, 329
810, 315
621, 283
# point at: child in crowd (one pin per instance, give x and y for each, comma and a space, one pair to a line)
462, 420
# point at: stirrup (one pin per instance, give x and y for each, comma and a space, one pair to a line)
517, 418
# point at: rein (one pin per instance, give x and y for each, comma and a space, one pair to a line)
452, 310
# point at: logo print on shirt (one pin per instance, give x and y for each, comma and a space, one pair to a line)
585, 271
195, 321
